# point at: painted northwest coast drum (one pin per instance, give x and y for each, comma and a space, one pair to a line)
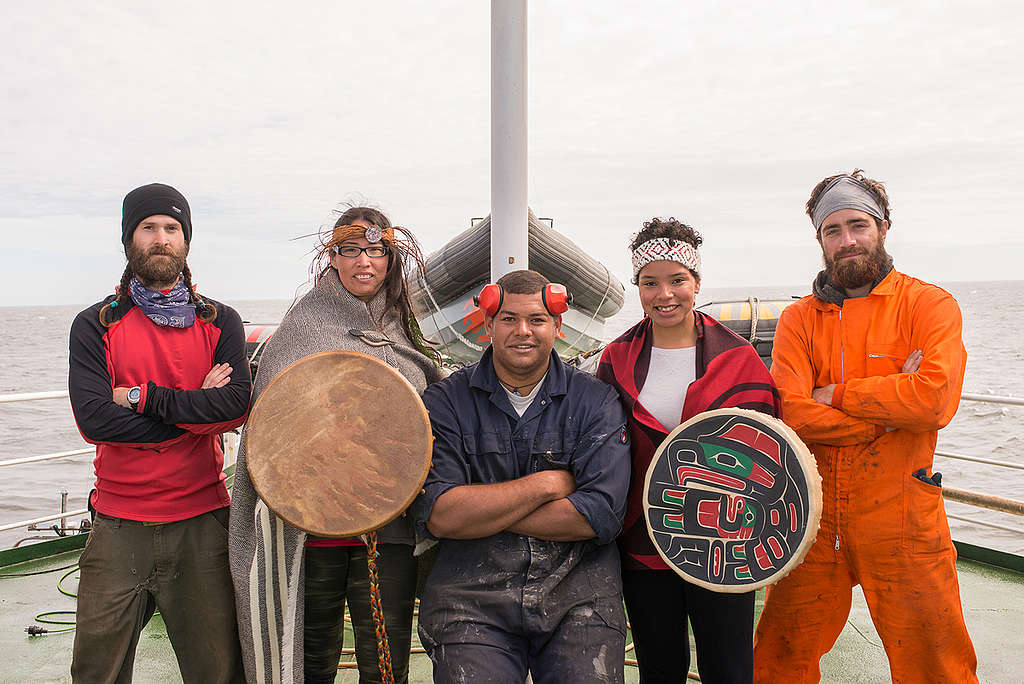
338, 444
732, 500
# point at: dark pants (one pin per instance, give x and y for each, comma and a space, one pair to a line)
336, 574
128, 570
658, 603
583, 648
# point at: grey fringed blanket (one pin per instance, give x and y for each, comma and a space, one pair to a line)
266, 554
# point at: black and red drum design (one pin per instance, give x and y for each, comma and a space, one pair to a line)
732, 500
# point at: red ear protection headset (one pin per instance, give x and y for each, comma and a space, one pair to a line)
555, 297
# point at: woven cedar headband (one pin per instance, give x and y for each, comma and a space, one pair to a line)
371, 233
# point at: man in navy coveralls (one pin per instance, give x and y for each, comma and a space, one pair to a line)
526, 493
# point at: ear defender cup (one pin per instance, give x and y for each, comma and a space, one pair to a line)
490, 299
556, 298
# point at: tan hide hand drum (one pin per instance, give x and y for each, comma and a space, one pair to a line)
338, 444
732, 500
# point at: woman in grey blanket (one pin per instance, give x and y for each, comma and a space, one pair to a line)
291, 588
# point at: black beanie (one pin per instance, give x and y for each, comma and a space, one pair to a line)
152, 199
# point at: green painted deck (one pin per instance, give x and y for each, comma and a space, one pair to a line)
993, 601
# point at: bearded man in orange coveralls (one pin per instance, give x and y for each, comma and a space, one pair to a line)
870, 367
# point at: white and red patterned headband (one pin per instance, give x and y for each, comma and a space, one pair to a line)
666, 249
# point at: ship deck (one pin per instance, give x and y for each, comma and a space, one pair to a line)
993, 600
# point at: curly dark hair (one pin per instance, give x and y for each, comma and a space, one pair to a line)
876, 188
670, 228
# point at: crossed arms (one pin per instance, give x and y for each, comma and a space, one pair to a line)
921, 397
586, 500
534, 505
165, 414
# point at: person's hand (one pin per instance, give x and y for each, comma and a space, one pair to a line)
218, 376
913, 362
560, 483
823, 395
121, 396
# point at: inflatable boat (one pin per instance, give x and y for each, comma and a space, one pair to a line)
443, 299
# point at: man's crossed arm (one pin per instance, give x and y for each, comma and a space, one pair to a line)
218, 376
534, 505
823, 395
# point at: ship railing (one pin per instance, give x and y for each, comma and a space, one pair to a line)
63, 514
978, 499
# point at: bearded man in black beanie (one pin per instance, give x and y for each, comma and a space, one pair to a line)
157, 373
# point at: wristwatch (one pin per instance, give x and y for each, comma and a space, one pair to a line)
134, 394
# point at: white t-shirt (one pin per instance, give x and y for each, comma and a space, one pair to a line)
669, 375
520, 404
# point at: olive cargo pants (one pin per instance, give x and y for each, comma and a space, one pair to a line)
128, 570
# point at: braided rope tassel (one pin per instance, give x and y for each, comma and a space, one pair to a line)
383, 648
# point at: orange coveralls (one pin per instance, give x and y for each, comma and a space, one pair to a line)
880, 527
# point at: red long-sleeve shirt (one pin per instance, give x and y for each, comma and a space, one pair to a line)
162, 462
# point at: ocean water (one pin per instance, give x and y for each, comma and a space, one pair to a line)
34, 353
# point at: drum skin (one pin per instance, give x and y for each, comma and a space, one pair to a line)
732, 500
338, 444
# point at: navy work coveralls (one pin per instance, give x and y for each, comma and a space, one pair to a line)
492, 608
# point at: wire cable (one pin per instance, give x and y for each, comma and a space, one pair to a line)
44, 617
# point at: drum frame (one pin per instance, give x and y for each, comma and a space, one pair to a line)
808, 466
270, 498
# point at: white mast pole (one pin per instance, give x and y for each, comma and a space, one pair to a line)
509, 223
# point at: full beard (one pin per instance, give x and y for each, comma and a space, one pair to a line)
866, 269
158, 266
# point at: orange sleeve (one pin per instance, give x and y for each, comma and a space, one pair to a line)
926, 400
794, 375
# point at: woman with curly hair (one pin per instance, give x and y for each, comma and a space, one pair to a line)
291, 587
675, 363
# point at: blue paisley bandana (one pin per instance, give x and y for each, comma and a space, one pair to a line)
172, 309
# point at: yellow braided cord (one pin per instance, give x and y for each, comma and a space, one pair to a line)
383, 649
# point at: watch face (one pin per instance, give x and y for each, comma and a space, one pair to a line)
134, 394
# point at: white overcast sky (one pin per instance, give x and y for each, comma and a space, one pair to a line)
267, 114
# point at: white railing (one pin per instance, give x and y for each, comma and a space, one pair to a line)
975, 459
994, 526
46, 457
63, 514
45, 518
992, 399
32, 396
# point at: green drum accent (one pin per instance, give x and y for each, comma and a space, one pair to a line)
670, 498
743, 466
674, 524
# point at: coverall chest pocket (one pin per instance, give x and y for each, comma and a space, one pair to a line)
886, 359
489, 456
